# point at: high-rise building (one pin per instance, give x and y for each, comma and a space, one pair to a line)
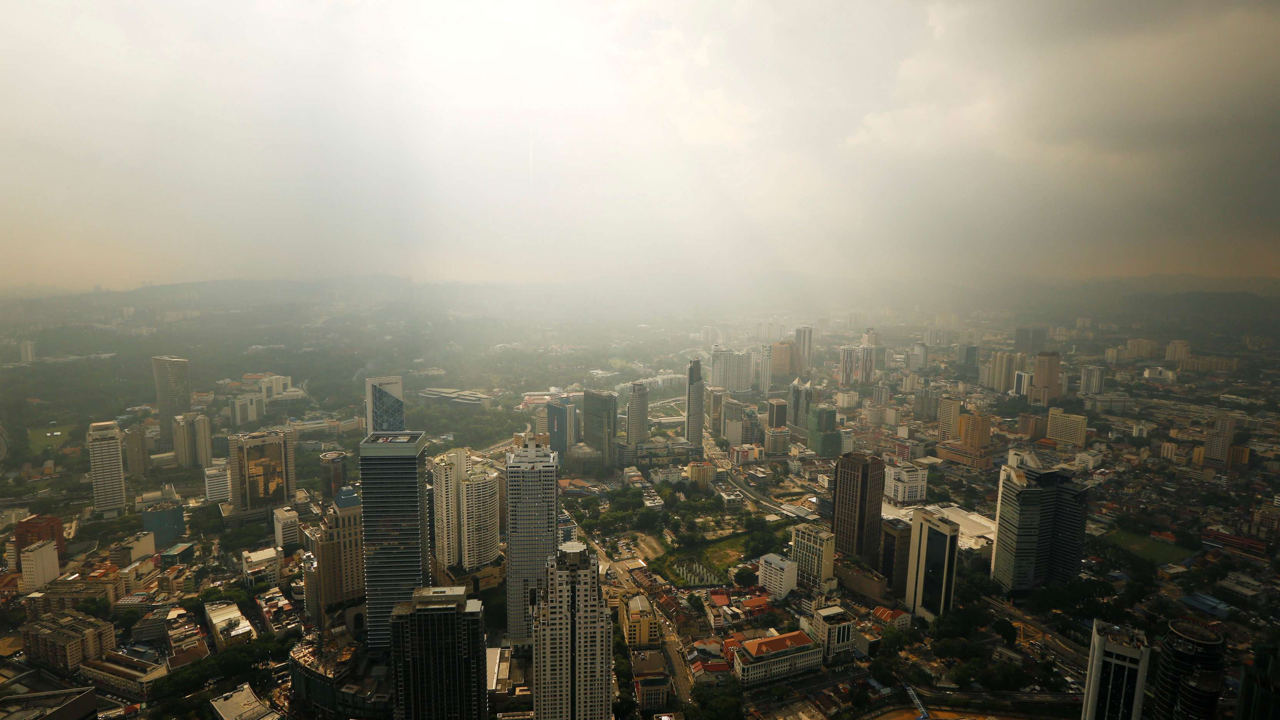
949, 418
27, 351
106, 467
739, 375
777, 415
1029, 341
867, 354
804, 344
39, 566
335, 574
1003, 367
531, 531
333, 473
972, 448
1178, 350
799, 397
764, 368
813, 548
720, 357
1189, 675
1040, 520
173, 394
823, 438
573, 640
1217, 445
895, 554
397, 530
1116, 679
136, 458
447, 474
478, 499
184, 440
1091, 380
204, 441
857, 495
931, 572
34, 529
926, 403
438, 656
1066, 428
600, 425
1046, 380
693, 405
848, 366
217, 485
638, 414
562, 426
785, 359
384, 404
1260, 686
260, 467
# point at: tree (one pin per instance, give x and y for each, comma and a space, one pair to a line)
1006, 631
744, 577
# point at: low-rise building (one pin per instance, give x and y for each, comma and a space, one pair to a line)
832, 628
772, 658
228, 625
650, 678
777, 575
641, 627
66, 639
123, 674
261, 566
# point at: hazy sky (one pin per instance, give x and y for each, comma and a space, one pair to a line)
171, 140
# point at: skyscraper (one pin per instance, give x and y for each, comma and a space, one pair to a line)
260, 466
384, 404
333, 473
949, 418
1091, 380
532, 513
693, 401
173, 394
1116, 679
720, 358
1046, 380
1189, 676
813, 548
764, 368
1029, 340
184, 440
478, 519
27, 351
804, 344
573, 639
135, 451
857, 495
895, 554
106, 468
397, 525
931, 571
448, 472
638, 414
848, 366
1040, 519
1217, 445
600, 425
777, 416
562, 426
335, 573
799, 396
866, 363
1260, 685
204, 441
438, 656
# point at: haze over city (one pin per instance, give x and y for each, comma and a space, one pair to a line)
639, 360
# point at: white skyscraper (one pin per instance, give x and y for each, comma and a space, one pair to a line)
106, 467
804, 344
532, 514
448, 471
1091, 380
396, 496
478, 518
573, 640
204, 442
848, 366
638, 414
764, 367
384, 404
720, 358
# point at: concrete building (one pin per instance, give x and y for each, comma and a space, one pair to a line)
261, 566
777, 575
106, 468
204, 441
831, 628
27, 351
813, 548
931, 571
173, 395
573, 640
769, 659
384, 404
227, 625
638, 414
532, 508
949, 418
1066, 428
285, 523
438, 657
335, 574
857, 495
1116, 677
217, 484
905, 484
804, 345
600, 425
478, 519
184, 439
641, 627
1046, 379
137, 460
764, 368
397, 525
39, 565
1040, 521
1190, 674
1092, 380
64, 640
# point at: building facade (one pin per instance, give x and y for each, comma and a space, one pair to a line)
1040, 521
532, 509
857, 496
384, 404
573, 640
931, 573
438, 656
1116, 678
106, 467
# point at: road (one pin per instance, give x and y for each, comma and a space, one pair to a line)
1077, 655
503, 443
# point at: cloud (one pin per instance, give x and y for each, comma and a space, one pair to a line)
571, 139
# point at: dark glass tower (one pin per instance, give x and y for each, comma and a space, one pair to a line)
1189, 678
438, 656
